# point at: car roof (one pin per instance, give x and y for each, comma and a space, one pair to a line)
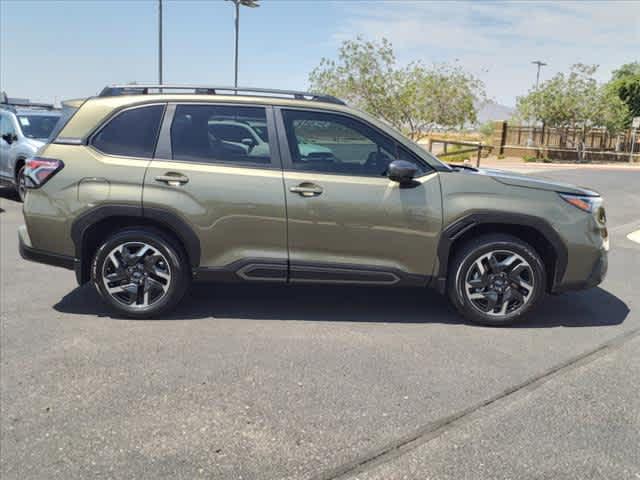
95, 110
37, 112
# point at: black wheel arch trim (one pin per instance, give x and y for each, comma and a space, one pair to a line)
484, 217
168, 219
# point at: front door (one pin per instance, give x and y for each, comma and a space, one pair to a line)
347, 222
6, 129
226, 188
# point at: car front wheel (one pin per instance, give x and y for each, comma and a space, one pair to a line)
140, 272
496, 279
21, 185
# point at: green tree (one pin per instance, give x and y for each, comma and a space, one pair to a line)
574, 101
625, 83
413, 98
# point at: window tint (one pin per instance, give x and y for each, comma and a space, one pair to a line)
406, 155
330, 143
132, 133
37, 126
219, 134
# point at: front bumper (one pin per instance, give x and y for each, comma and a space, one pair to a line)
598, 272
35, 255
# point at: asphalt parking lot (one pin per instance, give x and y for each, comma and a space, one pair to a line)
322, 382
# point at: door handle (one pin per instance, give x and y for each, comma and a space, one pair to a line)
173, 179
307, 189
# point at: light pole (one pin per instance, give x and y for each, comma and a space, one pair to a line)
160, 42
237, 4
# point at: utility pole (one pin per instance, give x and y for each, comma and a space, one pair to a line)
237, 4
540, 65
160, 42
237, 21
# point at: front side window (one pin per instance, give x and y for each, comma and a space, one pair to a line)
132, 133
219, 134
331, 143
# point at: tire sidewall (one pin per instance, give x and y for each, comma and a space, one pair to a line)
19, 178
467, 257
177, 264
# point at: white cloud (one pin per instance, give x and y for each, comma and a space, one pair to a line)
497, 41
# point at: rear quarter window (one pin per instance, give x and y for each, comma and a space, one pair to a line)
131, 133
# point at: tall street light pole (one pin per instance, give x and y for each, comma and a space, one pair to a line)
160, 42
237, 5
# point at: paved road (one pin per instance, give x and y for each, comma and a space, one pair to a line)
300, 383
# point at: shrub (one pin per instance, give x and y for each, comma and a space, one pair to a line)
530, 158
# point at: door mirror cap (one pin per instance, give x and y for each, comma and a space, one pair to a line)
402, 172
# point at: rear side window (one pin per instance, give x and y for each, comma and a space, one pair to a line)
132, 133
220, 134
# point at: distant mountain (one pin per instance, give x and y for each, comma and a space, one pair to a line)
491, 111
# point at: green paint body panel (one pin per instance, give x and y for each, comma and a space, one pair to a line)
239, 213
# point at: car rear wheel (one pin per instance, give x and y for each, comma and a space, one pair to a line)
496, 280
140, 272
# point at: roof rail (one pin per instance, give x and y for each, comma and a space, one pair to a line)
145, 89
12, 103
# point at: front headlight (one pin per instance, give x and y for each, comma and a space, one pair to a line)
583, 202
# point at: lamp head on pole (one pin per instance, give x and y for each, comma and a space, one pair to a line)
246, 3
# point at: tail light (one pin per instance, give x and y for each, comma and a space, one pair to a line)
39, 171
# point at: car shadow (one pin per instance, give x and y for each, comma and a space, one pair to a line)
319, 303
8, 194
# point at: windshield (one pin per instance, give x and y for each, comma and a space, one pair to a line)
37, 126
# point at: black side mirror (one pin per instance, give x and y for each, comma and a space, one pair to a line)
402, 172
9, 138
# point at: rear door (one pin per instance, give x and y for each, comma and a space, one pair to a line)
230, 193
347, 222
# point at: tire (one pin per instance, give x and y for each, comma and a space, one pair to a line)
491, 271
141, 272
21, 189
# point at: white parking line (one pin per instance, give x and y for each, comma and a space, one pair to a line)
634, 236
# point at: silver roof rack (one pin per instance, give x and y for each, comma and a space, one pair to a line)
8, 103
145, 89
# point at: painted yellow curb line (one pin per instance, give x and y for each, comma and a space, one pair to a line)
634, 236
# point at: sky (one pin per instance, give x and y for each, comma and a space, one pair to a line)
57, 49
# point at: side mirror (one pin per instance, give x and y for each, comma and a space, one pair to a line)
402, 172
9, 138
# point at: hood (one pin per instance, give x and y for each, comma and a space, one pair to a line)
526, 181
34, 142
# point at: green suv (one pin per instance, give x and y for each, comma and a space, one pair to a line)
140, 193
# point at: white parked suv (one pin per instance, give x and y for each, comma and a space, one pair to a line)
24, 128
